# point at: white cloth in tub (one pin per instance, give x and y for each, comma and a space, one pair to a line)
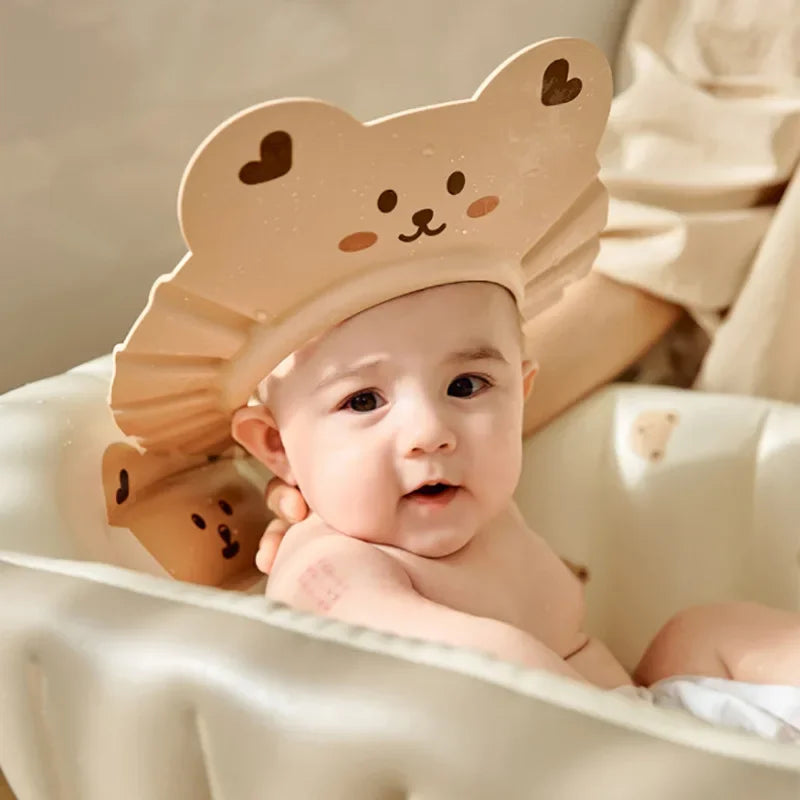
769, 710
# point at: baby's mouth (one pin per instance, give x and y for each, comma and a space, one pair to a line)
433, 494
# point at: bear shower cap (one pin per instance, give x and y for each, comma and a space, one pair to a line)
297, 216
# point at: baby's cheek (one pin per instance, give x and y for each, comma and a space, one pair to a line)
501, 462
350, 486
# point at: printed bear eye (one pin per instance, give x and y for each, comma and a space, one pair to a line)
199, 521
455, 183
387, 201
226, 507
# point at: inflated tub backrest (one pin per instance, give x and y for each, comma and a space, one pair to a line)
115, 683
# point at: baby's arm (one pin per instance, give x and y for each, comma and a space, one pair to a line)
740, 641
358, 583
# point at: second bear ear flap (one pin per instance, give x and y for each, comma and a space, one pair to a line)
567, 77
120, 462
128, 474
257, 158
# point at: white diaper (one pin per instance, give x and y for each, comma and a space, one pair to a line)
770, 711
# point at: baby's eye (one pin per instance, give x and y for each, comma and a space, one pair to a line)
363, 402
463, 385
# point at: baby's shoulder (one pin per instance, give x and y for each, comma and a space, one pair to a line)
320, 566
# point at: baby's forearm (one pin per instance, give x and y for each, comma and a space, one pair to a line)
354, 582
511, 644
406, 613
416, 617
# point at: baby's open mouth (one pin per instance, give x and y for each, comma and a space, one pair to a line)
435, 488
436, 493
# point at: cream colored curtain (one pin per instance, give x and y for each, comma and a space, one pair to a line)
700, 147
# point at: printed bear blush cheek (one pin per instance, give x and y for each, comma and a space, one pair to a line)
483, 206
358, 241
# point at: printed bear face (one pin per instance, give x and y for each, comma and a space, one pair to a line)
651, 433
200, 519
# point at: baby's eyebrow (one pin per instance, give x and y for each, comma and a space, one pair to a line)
352, 372
477, 353
480, 353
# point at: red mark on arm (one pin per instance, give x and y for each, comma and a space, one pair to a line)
321, 584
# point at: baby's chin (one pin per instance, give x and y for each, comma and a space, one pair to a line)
438, 546
425, 543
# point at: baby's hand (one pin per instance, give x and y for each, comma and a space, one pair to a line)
289, 506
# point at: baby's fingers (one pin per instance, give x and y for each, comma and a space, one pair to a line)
285, 501
269, 544
277, 527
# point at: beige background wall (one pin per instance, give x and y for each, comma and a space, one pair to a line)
102, 102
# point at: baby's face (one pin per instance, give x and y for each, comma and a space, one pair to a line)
424, 389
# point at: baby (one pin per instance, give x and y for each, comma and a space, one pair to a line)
402, 425
396, 261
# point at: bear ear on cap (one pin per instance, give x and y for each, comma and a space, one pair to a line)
562, 82
271, 145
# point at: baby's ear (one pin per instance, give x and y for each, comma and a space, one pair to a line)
255, 429
255, 168
529, 371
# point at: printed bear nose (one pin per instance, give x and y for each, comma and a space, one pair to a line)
225, 533
422, 217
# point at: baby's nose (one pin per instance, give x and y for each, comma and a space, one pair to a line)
429, 433
432, 448
422, 217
